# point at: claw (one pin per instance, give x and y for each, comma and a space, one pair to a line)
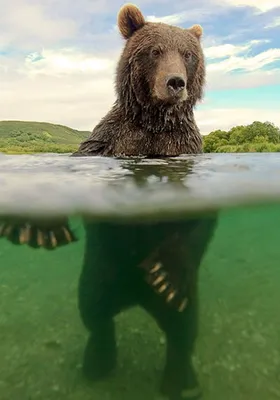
24, 235
53, 239
183, 305
156, 268
159, 279
36, 234
170, 296
163, 288
67, 234
40, 238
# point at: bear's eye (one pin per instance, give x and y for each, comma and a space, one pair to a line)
188, 55
155, 52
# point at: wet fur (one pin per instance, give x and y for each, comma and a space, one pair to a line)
138, 124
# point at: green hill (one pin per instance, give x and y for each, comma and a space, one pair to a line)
38, 137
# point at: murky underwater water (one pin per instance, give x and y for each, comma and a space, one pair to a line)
42, 338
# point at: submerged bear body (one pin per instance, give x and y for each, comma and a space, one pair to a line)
154, 266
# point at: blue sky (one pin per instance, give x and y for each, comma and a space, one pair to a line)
57, 59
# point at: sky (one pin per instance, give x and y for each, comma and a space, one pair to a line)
58, 59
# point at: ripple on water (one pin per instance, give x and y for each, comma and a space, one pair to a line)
50, 184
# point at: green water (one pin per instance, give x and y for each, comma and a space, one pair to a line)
237, 353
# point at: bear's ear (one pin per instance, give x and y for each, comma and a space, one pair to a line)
197, 31
130, 19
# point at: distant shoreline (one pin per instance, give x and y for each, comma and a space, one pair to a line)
24, 137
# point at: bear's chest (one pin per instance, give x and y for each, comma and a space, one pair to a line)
137, 142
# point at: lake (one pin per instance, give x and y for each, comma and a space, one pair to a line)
42, 336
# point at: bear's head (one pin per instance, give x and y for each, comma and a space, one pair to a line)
161, 65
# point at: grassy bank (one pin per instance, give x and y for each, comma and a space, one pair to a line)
24, 137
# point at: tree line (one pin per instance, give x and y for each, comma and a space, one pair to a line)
260, 137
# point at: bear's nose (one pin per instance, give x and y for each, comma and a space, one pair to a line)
176, 83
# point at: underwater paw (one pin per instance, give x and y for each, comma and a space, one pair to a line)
158, 278
52, 238
16, 234
38, 235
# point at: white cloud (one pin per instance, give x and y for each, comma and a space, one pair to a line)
274, 24
261, 5
224, 50
252, 63
229, 50
26, 25
203, 12
66, 61
217, 80
168, 19
65, 87
225, 74
226, 118
185, 16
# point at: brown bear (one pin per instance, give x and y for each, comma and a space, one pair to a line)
153, 265
160, 77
